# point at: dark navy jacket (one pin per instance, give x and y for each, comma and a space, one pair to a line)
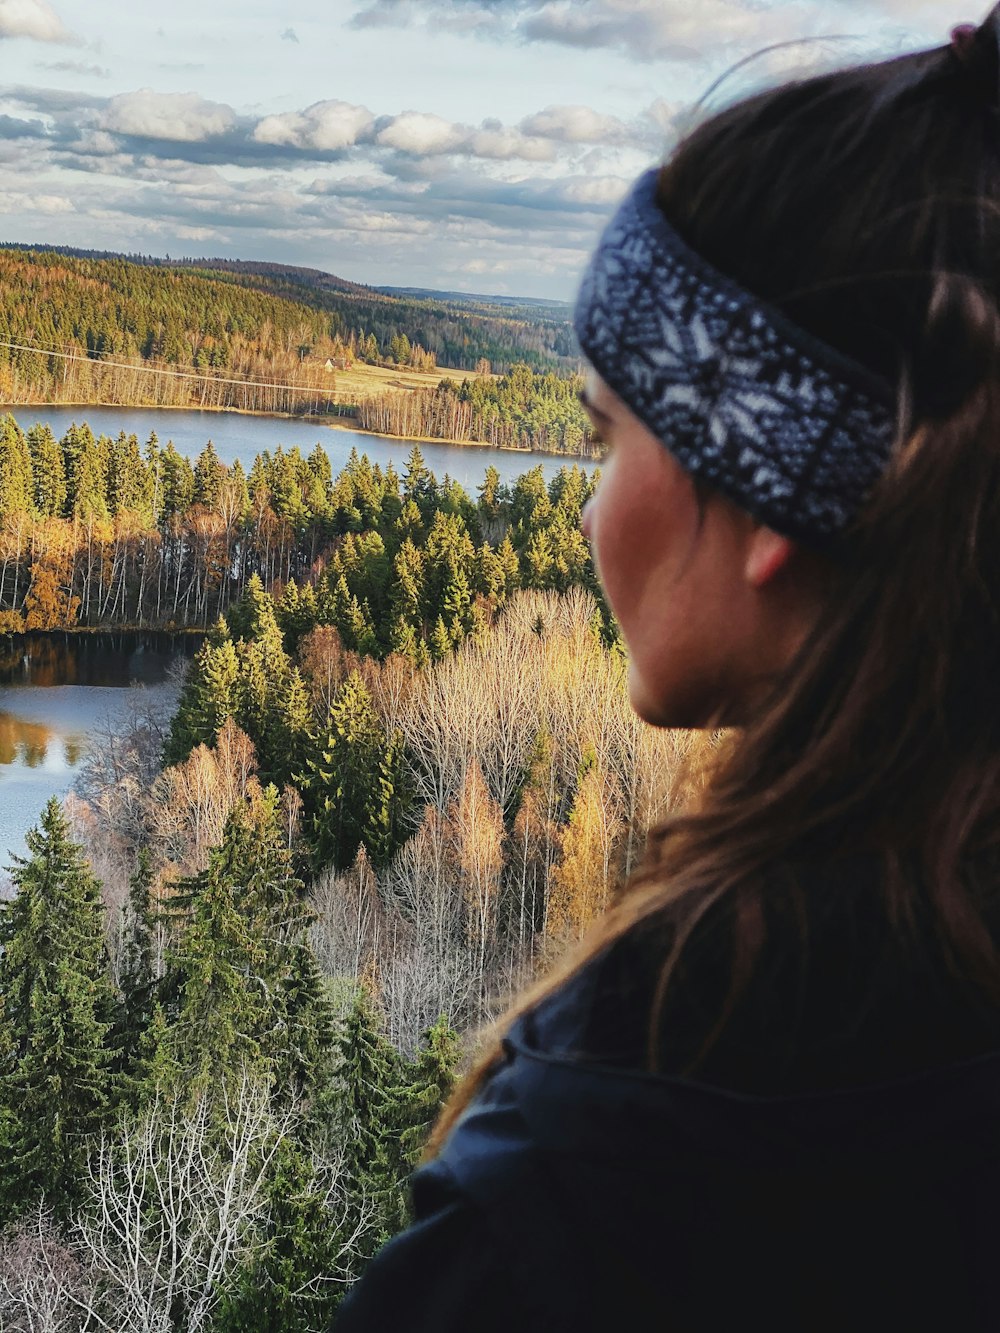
577, 1195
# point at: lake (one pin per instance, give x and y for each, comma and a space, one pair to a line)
236, 435
55, 691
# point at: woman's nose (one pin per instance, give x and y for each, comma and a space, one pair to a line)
585, 518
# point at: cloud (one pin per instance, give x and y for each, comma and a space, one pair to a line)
35, 19
180, 117
290, 35
185, 126
420, 134
576, 124
76, 67
328, 127
14, 128
19, 202
674, 30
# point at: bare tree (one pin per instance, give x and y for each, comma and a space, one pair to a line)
44, 1287
176, 1199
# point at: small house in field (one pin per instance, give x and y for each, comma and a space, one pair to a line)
329, 364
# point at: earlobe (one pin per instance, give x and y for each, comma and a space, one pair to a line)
768, 552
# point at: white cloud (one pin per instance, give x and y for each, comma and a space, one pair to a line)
35, 19
503, 144
183, 117
576, 124
420, 133
325, 126
686, 31
49, 204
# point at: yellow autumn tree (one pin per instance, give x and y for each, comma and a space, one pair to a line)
477, 833
585, 874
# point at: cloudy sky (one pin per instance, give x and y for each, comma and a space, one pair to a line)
470, 145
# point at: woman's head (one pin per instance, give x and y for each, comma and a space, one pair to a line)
862, 208
712, 604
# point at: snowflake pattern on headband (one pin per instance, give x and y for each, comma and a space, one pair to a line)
784, 425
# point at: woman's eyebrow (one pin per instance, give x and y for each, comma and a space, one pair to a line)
589, 407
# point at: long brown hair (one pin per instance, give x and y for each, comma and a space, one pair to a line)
865, 204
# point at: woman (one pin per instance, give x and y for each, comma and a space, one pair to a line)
766, 1093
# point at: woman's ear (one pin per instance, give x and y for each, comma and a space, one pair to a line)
767, 554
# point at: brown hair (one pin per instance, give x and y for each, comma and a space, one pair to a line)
865, 204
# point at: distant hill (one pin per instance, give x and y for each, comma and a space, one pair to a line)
458, 329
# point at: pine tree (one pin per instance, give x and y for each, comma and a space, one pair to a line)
367, 1093
352, 782
136, 969
58, 1006
246, 989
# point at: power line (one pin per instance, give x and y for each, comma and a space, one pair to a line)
169, 374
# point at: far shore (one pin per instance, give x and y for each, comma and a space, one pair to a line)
330, 421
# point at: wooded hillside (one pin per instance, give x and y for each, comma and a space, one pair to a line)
234, 322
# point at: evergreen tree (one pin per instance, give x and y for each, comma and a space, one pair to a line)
208, 475
137, 977
209, 697
294, 1284
16, 482
431, 1078
245, 985
58, 1004
367, 1094
352, 782
48, 472
177, 483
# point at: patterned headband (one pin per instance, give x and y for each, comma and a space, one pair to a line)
784, 425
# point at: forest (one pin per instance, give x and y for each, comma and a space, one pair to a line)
232, 336
520, 410
103, 532
244, 965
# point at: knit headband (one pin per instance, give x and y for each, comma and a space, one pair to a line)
784, 425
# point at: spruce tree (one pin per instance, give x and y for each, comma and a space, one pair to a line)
352, 781
367, 1093
245, 987
58, 1004
136, 969
208, 698
431, 1078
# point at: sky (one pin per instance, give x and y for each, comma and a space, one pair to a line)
460, 145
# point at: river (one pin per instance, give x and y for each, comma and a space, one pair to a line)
59, 691
237, 435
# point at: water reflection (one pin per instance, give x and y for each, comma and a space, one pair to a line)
105, 659
56, 690
35, 745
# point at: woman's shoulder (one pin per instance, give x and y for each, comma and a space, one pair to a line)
835, 998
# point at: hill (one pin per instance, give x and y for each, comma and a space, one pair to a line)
179, 312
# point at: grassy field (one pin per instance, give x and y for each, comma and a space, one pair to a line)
363, 381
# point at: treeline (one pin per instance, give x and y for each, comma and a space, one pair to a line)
249, 319
101, 531
520, 410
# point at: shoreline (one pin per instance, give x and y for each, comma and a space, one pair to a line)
332, 421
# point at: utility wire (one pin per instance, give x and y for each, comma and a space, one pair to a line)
170, 374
